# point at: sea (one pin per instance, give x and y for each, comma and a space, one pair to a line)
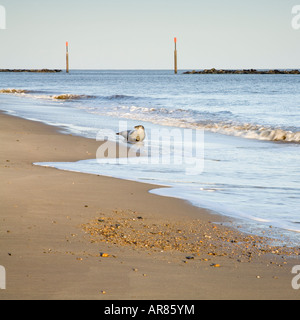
233, 141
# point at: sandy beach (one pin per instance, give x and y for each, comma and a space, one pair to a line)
67, 235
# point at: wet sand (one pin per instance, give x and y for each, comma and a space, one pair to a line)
66, 235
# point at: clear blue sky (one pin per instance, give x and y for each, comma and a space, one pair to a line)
138, 34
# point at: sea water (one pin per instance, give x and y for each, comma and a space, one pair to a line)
250, 149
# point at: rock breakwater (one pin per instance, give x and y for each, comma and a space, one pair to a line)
243, 71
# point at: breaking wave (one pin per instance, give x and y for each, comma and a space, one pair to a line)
42, 95
14, 91
82, 96
255, 132
211, 121
71, 97
217, 121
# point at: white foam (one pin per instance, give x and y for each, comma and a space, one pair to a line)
175, 117
163, 116
255, 132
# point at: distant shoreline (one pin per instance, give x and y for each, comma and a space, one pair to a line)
31, 70
244, 71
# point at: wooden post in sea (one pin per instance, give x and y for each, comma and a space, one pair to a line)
67, 57
175, 56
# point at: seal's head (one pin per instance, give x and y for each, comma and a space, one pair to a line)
139, 127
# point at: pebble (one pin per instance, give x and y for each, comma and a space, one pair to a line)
215, 265
104, 255
128, 228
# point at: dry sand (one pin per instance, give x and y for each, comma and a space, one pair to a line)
66, 235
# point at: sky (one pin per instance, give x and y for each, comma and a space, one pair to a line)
138, 34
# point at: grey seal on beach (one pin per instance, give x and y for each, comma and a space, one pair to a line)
135, 135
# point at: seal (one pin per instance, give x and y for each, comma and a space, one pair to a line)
135, 135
